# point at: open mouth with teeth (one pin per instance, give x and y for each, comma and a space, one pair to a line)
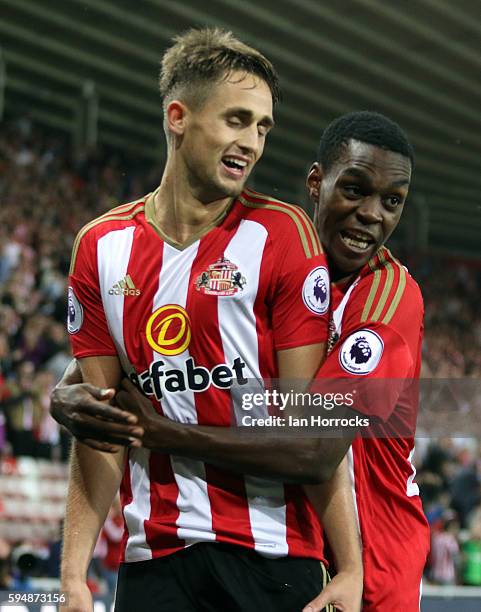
356, 240
234, 166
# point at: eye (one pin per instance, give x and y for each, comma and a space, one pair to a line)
262, 130
393, 201
352, 191
234, 121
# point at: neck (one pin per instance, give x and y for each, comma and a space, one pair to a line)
340, 276
179, 211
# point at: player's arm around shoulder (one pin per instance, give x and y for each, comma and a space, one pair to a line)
94, 480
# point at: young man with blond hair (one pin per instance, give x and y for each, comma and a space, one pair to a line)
196, 291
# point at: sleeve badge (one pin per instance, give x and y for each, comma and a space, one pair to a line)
316, 290
75, 314
361, 352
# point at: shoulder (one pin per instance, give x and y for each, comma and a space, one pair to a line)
114, 219
382, 317
386, 291
282, 221
385, 294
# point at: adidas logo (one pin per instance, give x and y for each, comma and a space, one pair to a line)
124, 287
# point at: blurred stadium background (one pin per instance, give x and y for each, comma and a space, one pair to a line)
81, 130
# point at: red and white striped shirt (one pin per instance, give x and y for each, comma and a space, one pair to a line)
191, 326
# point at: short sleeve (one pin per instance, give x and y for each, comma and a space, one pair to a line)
373, 362
300, 307
86, 322
378, 351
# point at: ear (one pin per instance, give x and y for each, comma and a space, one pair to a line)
176, 117
313, 182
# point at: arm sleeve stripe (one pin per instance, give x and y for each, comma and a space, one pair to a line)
385, 292
113, 213
300, 229
371, 296
107, 217
383, 253
123, 208
296, 209
378, 259
397, 297
312, 231
309, 239
390, 264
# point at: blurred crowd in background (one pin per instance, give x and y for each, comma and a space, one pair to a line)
47, 192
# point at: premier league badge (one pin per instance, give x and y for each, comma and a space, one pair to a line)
75, 315
315, 292
361, 352
221, 278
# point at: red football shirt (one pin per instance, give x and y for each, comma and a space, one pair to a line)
375, 342
192, 326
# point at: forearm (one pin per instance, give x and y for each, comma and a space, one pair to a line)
289, 460
286, 458
334, 505
94, 479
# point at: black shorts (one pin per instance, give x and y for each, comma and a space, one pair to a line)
211, 577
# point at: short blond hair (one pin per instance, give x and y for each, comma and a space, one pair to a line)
200, 58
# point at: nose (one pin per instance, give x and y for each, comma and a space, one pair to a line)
248, 140
369, 210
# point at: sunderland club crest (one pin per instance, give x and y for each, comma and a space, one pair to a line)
221, 278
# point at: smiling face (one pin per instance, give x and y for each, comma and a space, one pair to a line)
224, 138
359, 201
